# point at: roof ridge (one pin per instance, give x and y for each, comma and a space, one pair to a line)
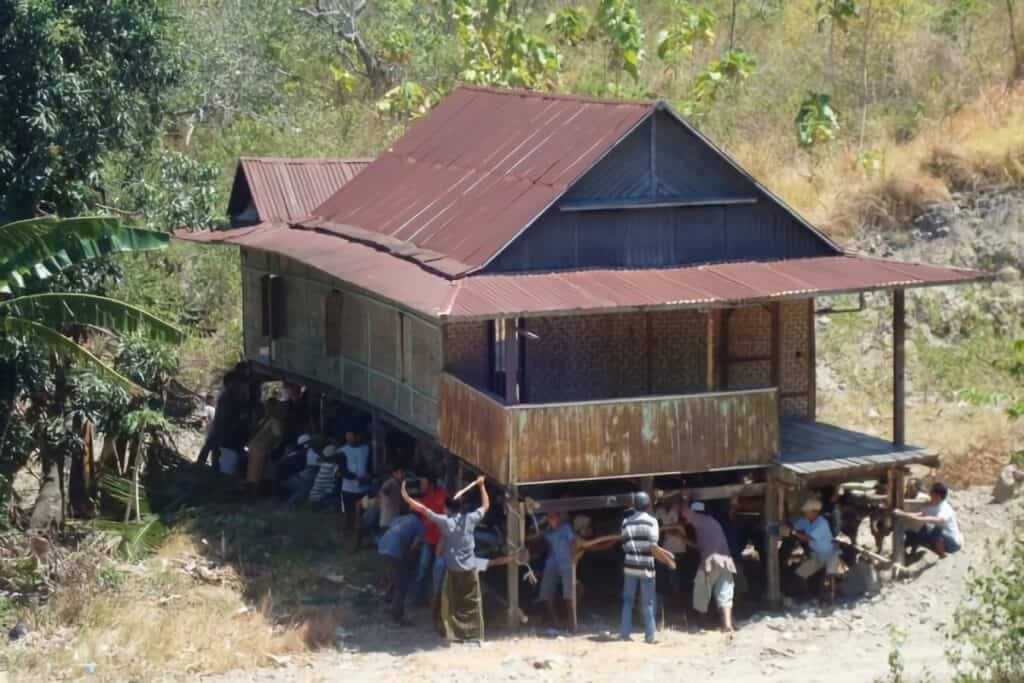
543, 94
309, 160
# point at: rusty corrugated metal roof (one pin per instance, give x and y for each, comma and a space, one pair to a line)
411, 286
285, 190
713, 285
374, 271
476, 171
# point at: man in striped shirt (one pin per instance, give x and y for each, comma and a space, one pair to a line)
639, 537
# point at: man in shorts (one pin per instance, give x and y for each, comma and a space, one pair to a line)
716, 573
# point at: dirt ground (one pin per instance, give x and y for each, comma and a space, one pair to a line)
846, 643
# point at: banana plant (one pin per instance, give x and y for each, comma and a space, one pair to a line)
35, 250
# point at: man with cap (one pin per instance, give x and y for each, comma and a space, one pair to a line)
814, 530
639, 537
717, 571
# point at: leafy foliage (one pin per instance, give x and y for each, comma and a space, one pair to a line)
989, 628
840, 12
734, 66
817, 121
45, 245
623, 32
34, 250
80, 81
693, 26
496, 50
571, 25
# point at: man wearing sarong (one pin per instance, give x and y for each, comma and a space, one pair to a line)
461, 614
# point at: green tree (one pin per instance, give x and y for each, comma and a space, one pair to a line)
623, 33
35, 250
81, 80
45, 336
817, 121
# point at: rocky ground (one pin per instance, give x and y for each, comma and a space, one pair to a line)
850, 642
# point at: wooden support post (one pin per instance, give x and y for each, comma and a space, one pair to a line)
812, 364
773, 584
515, 527
898, 530
898, 368
776, 359
710, 317
511, 361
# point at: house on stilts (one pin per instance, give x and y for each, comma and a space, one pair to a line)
553, 290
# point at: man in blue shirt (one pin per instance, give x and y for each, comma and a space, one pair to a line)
558, 568
397, 547
815, 532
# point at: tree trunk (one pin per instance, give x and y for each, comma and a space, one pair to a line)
732, 25
1018, 58
864, 95
48, 512
82, 483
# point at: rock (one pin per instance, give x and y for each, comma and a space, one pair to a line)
17, 632
1008, 274
1007, 484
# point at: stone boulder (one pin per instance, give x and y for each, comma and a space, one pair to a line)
1008, 484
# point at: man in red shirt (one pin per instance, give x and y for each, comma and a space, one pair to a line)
431, 565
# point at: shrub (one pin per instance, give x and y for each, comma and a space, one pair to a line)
988, 629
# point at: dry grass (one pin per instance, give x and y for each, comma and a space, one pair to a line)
158, 621
979, 146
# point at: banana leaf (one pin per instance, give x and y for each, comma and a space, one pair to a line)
51, 340
38, 249
56, 309
138, 539
119, 490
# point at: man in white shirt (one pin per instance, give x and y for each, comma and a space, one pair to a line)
941, 532
355, 482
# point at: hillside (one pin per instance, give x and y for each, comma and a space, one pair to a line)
897, 126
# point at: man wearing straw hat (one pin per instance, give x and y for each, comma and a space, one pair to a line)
815, 531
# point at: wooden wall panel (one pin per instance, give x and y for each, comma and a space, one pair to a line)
473, 426
691, 433
423, 351
355, 343
384, 338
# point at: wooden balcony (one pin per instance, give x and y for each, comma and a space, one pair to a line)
535, 443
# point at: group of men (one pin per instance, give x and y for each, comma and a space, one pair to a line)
934, 528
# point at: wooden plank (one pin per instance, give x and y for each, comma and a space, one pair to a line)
772, 501
775, 310
898, 529
898, 367
511, 368
710, 317
615, 204
514, 538
624, 500
812, 364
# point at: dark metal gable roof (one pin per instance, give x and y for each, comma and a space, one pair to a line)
475, 172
